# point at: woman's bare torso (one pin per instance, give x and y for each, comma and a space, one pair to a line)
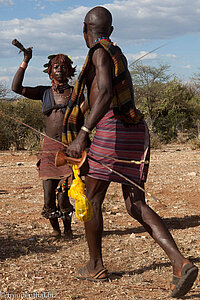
54, 120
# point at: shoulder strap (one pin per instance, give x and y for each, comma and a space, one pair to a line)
120, 70
47, 101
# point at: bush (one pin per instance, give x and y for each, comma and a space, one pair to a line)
15, 135
195, 144
155, 141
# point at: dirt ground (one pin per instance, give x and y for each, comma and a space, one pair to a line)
36, 266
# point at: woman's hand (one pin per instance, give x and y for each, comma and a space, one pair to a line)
28, 54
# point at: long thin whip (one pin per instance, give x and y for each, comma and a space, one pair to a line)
32, 128
127, 179
146, 55
107, 167
59, 142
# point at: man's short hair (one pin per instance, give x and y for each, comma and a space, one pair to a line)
99, 20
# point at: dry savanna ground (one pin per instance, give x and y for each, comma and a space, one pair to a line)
33, 265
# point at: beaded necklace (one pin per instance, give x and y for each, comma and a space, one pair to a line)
64, 96
60, 88
102, 38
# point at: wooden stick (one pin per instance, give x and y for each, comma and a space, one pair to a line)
17, 44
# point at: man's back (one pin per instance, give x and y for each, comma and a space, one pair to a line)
101, 62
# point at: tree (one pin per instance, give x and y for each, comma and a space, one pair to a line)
196, 82
3, 91
148, 83
177, 111
169, 106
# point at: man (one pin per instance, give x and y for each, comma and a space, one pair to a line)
120, 133
54, 101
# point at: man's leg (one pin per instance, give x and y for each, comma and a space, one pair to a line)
50, 209
139, 210
96, 190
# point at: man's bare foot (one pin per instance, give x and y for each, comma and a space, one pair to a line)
177, 267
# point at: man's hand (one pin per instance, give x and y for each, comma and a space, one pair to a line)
76, 148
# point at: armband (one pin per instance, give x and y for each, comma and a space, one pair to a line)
23, 65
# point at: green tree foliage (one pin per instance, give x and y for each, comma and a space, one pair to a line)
195, 83
13, 134
177, 111
3, 90
149, 86
169, 106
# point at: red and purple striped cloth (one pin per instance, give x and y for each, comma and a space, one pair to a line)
113, 139
46, 167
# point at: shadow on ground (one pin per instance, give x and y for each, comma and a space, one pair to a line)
153, 266
172, 223
11, 247
116, 275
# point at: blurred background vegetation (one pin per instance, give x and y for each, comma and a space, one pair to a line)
171, 109
13, 135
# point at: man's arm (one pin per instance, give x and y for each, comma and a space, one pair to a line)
17, 87
101, 90
100, 98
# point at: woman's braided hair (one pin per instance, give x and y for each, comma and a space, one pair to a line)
60, 58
